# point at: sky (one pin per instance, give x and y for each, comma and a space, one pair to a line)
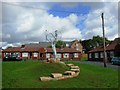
27, 22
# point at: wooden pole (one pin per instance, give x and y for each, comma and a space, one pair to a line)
105, 59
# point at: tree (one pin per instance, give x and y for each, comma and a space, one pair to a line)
59, 44
94, 42
9, 47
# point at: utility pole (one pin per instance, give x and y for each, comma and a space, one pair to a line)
105, 58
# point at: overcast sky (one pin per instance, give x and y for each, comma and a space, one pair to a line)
24, 22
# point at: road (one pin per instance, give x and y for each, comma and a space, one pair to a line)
109, 65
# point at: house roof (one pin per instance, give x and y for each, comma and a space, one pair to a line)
108, 47
12, 49
38, 49
67, 50
40, 44
100, 48
113, 44
30, 49
25, 48
46, 44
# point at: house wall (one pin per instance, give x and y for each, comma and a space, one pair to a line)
76, 45
3, 53
43, 57
109, 56
25, 57
71, 56
35, 55
117, 50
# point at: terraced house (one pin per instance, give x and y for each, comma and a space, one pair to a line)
112, 50
41, 52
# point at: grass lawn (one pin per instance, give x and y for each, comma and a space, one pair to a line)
26, 75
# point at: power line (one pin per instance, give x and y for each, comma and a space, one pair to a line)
13, 4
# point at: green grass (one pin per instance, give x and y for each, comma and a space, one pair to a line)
26, 75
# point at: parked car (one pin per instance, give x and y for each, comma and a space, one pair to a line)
12, 58
116, 60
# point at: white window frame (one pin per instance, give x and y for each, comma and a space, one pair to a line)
111, 54
25, 54
77, 44
67, 45
35, 54
6, 54
16, 53
76, 55
101, 55
66, 55
96, 55
90, 55
47, 55
58, 55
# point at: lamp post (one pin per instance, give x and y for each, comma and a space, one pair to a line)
104, 55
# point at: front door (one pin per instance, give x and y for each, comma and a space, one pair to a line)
30, 55
71, 56
41, 56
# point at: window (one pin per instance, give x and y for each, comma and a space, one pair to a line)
6, 54
76, 44
90, 56
67, 45
76, 55
111, 54
77, 49
96, 55
16, 53
24, 54
35, 54
66, 55
101, 55
48, 55
59, 55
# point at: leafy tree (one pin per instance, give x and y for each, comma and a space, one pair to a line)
93, 43
9, 47
59, 44
49, 46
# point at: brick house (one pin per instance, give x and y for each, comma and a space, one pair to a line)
40, 53
69, 44
112, 49
65, 53
75, 44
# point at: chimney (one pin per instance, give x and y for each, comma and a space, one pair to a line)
22, 46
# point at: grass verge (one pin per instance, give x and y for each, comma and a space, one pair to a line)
26, 75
